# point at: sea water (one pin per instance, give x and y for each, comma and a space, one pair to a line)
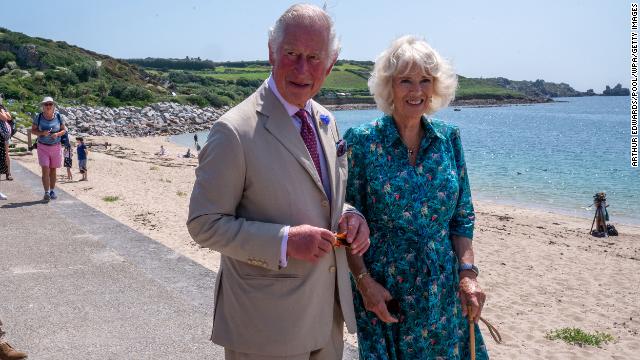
554, 156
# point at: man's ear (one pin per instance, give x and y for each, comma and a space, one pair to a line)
331, 66
272, 55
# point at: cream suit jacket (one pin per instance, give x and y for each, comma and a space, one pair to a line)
255, 176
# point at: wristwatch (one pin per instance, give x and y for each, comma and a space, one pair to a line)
467, 266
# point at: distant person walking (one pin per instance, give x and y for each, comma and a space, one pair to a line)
68, 159
195, 140
4, 136
7, 352
49, 126
5, 128
82, 151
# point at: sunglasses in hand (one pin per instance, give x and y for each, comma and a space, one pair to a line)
340, 239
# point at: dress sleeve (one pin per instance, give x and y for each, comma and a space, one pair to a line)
356, 181
463, 219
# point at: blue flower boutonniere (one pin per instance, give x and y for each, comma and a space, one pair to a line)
325, 119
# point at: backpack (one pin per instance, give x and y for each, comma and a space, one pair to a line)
57, 116
13, 127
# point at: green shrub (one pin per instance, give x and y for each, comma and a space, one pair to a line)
89, 99
117, 89
130, 93
71, 92
111, 101
85, 71
64, 77
136, 93
111, 198
197, 100
576, 336
5, 57
249, 83
13, 90
214, 99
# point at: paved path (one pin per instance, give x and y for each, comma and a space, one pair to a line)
77, 284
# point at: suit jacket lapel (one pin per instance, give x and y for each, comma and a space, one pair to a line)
329, 148
279, 124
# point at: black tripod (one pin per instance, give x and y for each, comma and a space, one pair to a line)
600, 217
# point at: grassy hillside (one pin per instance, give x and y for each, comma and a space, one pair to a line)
348, 79
31, 68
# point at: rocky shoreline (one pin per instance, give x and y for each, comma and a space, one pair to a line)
169, 118
165, 118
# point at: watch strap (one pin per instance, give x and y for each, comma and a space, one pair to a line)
468, 266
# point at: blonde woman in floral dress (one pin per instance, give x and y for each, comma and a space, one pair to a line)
407, 175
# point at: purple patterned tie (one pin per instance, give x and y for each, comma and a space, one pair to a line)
309, 138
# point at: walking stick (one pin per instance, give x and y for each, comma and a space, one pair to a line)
472, 334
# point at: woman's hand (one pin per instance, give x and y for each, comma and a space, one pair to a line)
375, 298
357, 231
470, 293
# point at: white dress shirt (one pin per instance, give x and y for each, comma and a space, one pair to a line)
292, 110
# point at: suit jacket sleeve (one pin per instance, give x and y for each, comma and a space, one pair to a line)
217, 191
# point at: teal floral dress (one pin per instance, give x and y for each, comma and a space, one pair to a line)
412, 211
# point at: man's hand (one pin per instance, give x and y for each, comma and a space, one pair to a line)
357, 232
308, 242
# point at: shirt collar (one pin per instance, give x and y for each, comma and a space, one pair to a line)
290, 108
391, 135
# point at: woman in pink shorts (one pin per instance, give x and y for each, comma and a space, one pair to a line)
49, 126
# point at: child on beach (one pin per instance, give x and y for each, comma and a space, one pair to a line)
68, 159
82, 158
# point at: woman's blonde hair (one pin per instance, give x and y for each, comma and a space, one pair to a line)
404, 53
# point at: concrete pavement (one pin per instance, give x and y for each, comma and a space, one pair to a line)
77, 284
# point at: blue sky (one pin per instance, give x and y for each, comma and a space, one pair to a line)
582, 43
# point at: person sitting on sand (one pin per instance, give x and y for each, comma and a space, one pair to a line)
162, 151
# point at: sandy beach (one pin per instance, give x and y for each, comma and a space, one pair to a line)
541, 271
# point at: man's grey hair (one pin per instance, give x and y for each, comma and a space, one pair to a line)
304, 14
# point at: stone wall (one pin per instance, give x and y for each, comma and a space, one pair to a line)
157, 119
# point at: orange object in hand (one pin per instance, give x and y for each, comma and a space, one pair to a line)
341, 240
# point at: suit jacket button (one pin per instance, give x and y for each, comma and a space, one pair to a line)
332, 269
325, 203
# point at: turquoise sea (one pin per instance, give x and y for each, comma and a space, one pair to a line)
554, 156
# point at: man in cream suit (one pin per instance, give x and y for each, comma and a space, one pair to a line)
269, 193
